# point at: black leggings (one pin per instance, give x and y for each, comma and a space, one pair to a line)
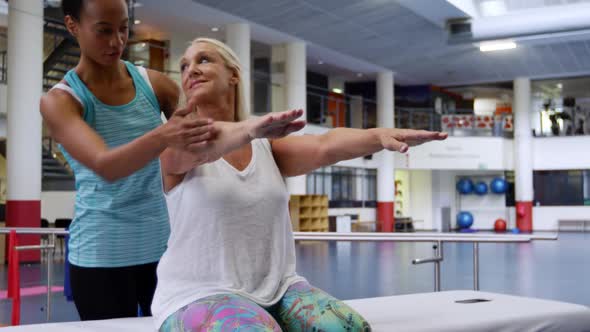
104, 293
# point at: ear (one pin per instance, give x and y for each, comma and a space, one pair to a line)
235, 77
72, 25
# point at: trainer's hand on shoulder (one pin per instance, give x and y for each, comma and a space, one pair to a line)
401, 140
275, 125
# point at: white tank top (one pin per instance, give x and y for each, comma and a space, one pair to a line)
230, 232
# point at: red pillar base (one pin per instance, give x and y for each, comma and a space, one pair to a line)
25, 214
385, 219
524, 216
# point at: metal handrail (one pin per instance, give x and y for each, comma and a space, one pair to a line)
437, 238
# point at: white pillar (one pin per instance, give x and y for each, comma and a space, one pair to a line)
296, 97
277, 77
523, 158
25, 81
237, 36
385, 172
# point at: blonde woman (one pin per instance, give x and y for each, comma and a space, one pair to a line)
230, 261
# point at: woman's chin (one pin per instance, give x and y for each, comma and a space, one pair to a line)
196, 96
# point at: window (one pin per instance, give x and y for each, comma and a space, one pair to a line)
561, 188
345, 186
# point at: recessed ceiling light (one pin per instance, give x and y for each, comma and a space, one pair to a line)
493, 7
214, 29
497, 46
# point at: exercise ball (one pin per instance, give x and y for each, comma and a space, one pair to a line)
481, 188
464, 219
465, 186
500, 225
498, 186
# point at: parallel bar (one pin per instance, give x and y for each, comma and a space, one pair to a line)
438, 252
49, 273
532, 236
300, 237
475, 266
33, 247
411, 237
34, 230
426, 260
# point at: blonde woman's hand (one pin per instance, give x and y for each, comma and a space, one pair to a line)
275, 125
401, 140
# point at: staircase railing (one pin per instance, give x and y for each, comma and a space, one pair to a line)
3, 77
50, 147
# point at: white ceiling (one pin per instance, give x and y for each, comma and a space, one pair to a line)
406, 36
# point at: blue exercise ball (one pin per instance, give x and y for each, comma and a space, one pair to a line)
481, 188
464, 219
498, 186
465, 186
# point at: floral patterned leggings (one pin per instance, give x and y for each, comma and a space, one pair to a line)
302, 308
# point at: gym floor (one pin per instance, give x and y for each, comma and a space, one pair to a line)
557, 270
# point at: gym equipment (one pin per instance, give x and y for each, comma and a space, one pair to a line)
465, 186
481, 188
464, 219
460, 310
500, 225
498, 186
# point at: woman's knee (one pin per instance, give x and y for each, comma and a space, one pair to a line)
221, 313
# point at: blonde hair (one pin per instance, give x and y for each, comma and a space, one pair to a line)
232, 62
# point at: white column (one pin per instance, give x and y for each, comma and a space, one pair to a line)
277, 77
296, 97
385, 172
24, 89
237, 36
523, 158
25, 80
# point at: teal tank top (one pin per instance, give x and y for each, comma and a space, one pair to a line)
125, 222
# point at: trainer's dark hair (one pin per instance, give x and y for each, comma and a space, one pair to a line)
74, 8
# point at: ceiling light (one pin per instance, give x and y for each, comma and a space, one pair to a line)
214, 29
493, 7
137, 22
336, 90
496, 46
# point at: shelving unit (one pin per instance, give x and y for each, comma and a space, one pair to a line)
485, 209
309, 213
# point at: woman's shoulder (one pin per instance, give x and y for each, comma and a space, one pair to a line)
59, 98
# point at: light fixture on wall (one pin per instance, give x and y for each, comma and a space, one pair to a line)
320, 62
214, 29
498, 45
336, 90
137, 22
